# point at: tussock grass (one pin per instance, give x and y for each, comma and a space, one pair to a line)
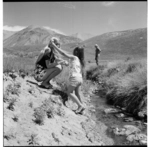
18, 63
33, 140
39, 115
49, 108
13, 89
124, 83
11, 104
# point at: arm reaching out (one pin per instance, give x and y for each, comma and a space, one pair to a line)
62, 52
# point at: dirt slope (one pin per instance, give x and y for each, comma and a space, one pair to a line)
63, 127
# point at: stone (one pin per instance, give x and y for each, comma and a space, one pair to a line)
120, 115
141, 138
132, 137
143, 142
138, 122
119, 131
110, 110
114, 126
141, 114
130, 129
128, 119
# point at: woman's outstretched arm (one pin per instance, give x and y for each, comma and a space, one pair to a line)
62, 52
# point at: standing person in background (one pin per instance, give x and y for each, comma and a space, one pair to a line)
97, 53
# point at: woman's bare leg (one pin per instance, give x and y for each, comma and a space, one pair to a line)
77, 92
50, 73
73, 96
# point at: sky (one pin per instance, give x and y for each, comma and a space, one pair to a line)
69, 18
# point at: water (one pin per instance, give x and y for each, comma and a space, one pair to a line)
110, 120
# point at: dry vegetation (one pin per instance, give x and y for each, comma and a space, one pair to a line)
124, 83
18, 64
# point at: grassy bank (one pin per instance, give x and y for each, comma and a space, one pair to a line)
124, 83
18, 63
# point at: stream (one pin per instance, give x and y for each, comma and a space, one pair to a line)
110, 120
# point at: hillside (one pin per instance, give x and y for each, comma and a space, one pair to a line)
114, 45
27, 122
83, 36
34, 116
34, 35
7, 34
119, 44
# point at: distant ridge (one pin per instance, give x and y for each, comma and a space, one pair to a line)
129, 42
7, 34
83, 36
34, 35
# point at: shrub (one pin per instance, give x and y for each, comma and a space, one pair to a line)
15, 118
18, 63
47, 108
52, 107
17, 85
13, 89
33, 140
50, 113
39, 115
60, 111
11, 104
9, 134
5, 97
124, 83
31, 104
129, 91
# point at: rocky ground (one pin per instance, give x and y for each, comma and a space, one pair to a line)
35, 116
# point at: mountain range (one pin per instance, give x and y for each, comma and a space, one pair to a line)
114, 45
33, 35
7, 34
83, 36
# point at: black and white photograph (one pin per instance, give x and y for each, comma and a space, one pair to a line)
74, 73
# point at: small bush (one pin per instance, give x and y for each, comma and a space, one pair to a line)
9, 134
5, 98
39, 115
33, 140
13, 89
17, 85
60, 111
124, 83
53, 107
50, 113
17, 63
31, 104
15, 118
11, 104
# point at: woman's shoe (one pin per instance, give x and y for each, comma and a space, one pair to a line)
80, 110
46, 86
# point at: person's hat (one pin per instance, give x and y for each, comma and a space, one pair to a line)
96, 45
